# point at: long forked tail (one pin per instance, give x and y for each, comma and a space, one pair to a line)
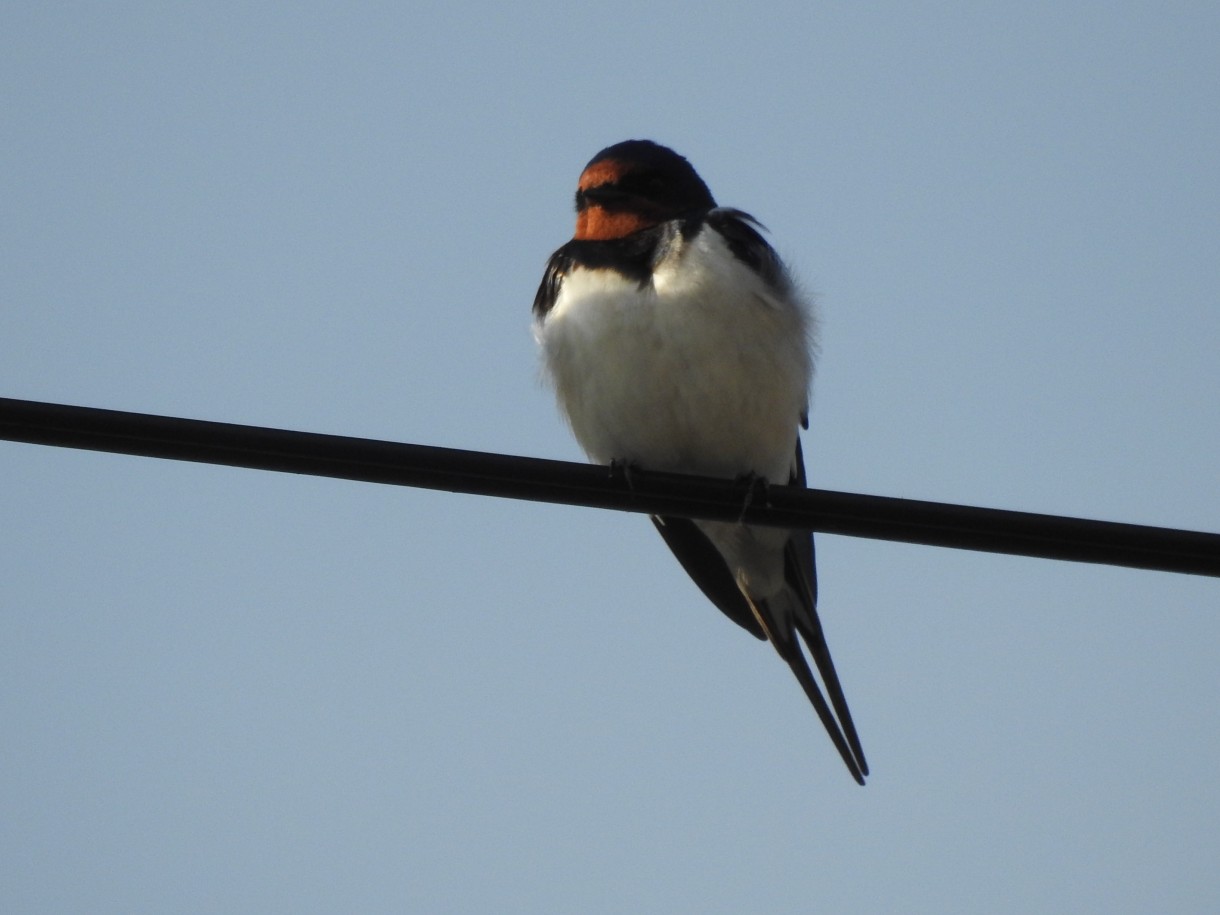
811, 632
843, 730
781, 625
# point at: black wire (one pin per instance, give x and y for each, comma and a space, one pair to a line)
479, 473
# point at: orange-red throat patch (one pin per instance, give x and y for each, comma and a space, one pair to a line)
595, 223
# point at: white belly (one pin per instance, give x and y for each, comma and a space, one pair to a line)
702, 371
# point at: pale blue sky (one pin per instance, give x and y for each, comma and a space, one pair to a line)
233, 691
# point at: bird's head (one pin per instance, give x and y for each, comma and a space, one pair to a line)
635, 185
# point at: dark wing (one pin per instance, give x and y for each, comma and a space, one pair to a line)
800, 544
548, 291
706, 567
740, 231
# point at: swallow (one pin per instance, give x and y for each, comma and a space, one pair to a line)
677, 340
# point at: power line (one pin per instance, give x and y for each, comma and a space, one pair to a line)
563, 482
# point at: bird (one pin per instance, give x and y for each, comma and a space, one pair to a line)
677, 340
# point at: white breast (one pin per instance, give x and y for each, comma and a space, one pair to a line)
705, 370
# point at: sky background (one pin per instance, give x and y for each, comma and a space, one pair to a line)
225, 690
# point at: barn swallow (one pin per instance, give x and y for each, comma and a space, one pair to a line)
677, 340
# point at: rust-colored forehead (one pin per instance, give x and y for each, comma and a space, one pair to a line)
603, 171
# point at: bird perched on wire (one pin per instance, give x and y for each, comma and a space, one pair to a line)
677, 341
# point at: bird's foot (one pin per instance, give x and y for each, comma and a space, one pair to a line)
757, 493
623, 473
